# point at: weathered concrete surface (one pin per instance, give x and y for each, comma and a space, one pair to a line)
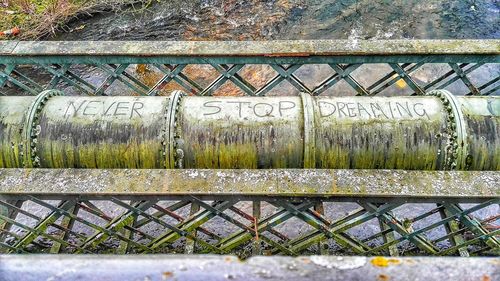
468, 186
205, 268
102, 132
12, 115
481, 124
250, 48
6, 47
403, 134
242, 132
346, 132
414, 133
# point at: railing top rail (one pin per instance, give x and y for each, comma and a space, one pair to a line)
277, 48
281, 182
135, 267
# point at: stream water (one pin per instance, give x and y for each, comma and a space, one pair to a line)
294, 19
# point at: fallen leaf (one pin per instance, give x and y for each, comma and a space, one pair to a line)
384, 262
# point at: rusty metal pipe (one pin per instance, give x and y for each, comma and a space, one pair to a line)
434, 132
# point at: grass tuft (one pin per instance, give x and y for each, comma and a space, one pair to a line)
42, 18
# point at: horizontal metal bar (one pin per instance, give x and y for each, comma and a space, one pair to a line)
276, 48
7, 47
186, 59
205, 267
250, 52
462, 185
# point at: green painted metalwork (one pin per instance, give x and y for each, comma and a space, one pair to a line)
251, 68
215, 211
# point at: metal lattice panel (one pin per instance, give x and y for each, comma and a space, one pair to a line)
332, 67
274, 226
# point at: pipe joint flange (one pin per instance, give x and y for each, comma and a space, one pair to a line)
172, 143
456, 147
31, 128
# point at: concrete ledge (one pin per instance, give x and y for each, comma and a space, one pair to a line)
205, 268
463, 185
278, 48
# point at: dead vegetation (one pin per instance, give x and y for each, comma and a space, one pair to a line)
37, 19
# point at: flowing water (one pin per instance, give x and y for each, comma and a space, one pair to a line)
294, 19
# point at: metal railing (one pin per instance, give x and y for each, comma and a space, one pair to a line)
252, 68
249, 212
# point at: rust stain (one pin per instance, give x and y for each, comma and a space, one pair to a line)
167, 275
383, 277
305, 260
287, 55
